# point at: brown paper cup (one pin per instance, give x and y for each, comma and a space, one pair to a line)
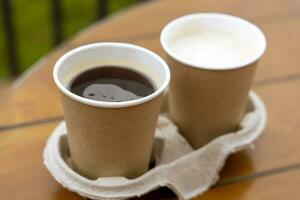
111, 138
206, 100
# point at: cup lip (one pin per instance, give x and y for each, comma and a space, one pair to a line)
104, 104
211, 14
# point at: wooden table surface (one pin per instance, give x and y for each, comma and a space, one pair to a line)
31, 109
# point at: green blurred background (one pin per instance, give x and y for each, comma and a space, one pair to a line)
32, 24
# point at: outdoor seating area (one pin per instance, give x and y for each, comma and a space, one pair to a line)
34, 100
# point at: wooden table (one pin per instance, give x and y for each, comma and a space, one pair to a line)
31, 109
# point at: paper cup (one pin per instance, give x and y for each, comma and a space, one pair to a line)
110, 138
208, 92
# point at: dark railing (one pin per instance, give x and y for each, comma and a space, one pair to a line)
9, 35
56, 18
56, 21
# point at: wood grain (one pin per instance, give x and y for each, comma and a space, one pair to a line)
282, 123
150, 18
276, 187
274, 148
37, 97
34, 98
23, 175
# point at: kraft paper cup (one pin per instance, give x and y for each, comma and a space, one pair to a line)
111, 138
206, 100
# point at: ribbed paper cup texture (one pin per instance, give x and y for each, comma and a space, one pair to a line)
208, 101
111, 138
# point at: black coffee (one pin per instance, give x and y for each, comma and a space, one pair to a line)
111, 84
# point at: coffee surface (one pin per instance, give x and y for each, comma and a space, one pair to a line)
111, 84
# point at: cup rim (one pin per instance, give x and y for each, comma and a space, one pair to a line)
104, 104
181, 19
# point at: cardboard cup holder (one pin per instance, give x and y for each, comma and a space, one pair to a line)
187, 172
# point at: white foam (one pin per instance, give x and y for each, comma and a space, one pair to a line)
213, 41
215, 49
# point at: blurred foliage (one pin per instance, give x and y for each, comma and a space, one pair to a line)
32, 23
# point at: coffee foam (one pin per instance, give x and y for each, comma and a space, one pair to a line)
213, 46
